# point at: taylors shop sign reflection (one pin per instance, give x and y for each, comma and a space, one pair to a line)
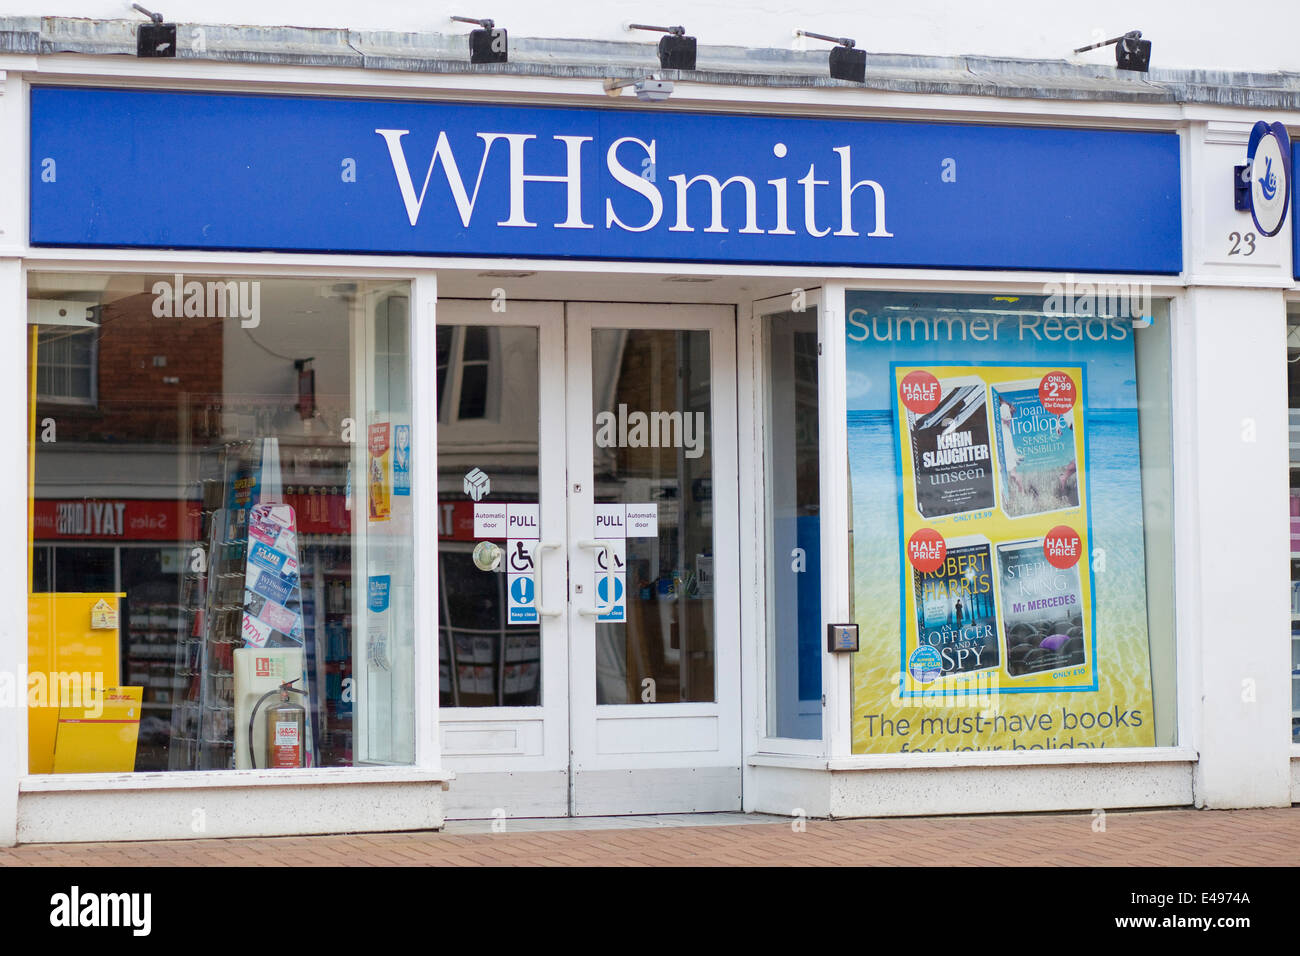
339, 175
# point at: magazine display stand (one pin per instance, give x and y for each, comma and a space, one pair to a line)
212, 589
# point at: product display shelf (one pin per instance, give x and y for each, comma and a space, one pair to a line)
151, 654
212, 588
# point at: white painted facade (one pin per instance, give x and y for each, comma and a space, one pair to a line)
1228, 319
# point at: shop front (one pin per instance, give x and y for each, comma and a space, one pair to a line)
397, 456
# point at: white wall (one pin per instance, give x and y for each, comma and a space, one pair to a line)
1185, 33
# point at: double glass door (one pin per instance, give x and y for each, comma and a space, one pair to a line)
588, 572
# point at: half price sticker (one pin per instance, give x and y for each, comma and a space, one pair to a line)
1057, 393
926, 550
1062, 547
919, 392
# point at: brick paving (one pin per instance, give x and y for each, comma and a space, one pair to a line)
1139, 838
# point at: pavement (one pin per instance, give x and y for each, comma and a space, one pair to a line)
1253, 838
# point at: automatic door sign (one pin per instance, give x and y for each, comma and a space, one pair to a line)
618, 612
489, 521
522, 595
643, 521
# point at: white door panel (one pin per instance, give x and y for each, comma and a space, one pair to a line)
640, 714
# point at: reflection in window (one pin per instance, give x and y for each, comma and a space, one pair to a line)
467, 372
65, 371
225, 522
652, 398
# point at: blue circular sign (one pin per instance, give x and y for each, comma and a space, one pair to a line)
1268, 157
925, 664
602, 589
521, 589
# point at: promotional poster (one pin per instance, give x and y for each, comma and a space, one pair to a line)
998, 548
380, 472
1038, 453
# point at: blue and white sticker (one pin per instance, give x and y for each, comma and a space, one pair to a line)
377, 589
402, 460
925, 664
617, 613
521, 591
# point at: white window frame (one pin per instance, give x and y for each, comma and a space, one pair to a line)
423, 285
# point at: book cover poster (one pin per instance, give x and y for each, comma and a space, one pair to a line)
956, 614
1070, 663
1038, 470
952, 463
1044, 620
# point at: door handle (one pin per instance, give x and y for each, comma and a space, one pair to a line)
537, 563
602, 607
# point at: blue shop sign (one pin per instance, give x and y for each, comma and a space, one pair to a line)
134, 168
1295, 220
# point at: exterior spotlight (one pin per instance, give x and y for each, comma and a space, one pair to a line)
155, 38
647, 89
486, 44
676, 49
847, 62
1131, 51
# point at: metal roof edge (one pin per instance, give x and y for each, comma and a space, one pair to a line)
438, 53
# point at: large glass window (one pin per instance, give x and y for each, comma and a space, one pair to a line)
1009, 460
1293, 393
793, 472
220, 508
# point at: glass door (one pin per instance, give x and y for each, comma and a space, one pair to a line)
589, 613
503, 643
654, 607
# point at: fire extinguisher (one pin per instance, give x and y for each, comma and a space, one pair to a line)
286, 725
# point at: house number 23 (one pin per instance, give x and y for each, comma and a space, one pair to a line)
1243, 243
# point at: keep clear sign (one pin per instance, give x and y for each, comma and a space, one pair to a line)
613, 524
522, 523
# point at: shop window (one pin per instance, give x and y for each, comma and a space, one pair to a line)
234, 516
1293, 394
792, 462
1012, 548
